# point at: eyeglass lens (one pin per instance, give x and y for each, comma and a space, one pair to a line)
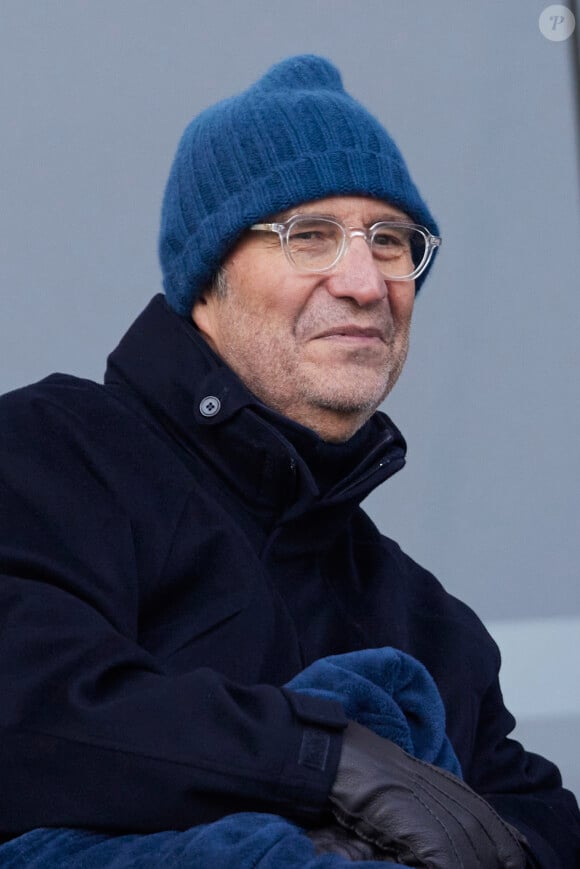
317, 243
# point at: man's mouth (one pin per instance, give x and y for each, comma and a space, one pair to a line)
352, 332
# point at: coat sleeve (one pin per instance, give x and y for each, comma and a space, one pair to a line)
451, 641
525, 789
93, 732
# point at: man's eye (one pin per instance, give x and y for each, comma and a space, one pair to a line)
388, 239
313, 237
308, 235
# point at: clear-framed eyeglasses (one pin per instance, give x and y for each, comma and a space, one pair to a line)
401, 251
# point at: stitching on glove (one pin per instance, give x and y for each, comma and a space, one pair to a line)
345, 821
479, 799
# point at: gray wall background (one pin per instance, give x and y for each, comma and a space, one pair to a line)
94, 96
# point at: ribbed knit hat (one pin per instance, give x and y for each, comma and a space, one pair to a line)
292, 137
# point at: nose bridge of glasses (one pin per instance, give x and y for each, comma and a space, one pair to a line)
352, 232
357, 232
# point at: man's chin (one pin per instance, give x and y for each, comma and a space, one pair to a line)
351, 400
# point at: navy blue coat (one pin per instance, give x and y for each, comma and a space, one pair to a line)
172, 552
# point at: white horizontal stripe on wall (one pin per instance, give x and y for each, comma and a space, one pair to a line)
540, 674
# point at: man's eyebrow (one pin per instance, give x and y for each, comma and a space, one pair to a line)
392, 218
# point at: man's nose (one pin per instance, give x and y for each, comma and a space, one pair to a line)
357, 275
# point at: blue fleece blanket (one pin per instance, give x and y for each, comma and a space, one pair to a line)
383, 689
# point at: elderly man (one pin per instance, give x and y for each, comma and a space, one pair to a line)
179, 542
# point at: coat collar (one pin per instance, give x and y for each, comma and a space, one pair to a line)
163, 366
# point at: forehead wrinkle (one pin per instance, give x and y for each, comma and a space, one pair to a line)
382, 215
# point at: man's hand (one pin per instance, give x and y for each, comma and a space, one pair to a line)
336, 840
418, 814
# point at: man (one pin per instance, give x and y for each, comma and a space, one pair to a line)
178, 543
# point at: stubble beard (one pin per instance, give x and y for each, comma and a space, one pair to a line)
358, 384
291, 384
360, 390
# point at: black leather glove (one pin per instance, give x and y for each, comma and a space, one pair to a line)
334, 839
418, 814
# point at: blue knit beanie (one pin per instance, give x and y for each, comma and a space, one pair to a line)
292, 137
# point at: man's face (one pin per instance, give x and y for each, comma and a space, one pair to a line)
324, 349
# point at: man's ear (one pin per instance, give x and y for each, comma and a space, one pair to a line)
200, 311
